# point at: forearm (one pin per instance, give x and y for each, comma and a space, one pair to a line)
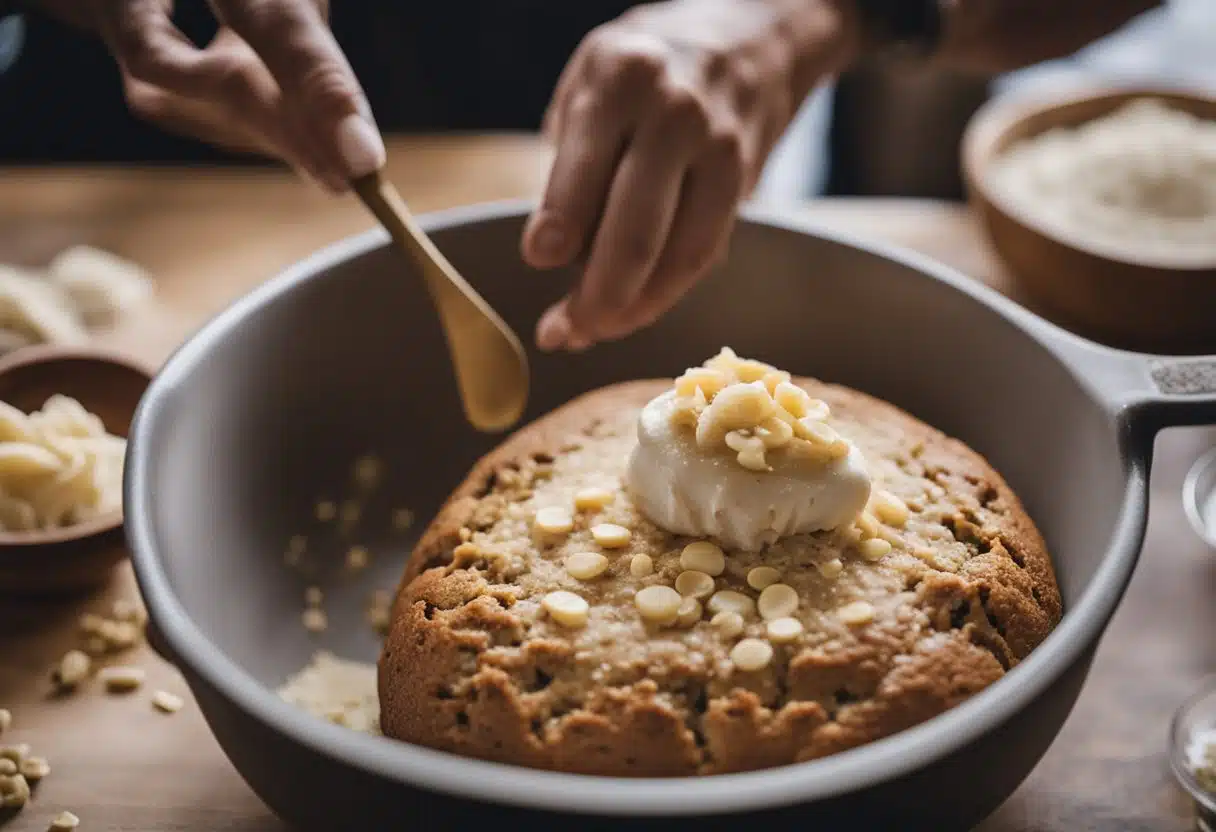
1001, 35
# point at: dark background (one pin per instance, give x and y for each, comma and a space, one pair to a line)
458, 65
426, 66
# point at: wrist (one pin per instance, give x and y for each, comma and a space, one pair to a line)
821, 37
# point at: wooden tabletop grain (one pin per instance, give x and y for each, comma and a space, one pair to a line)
209, 236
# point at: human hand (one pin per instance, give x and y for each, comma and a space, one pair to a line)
272, 81
662, 121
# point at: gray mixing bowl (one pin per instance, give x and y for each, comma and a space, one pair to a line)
263, 410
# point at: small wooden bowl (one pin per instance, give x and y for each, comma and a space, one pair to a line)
1136, 304
81, 557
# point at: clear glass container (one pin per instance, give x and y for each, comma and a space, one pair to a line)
1193, 726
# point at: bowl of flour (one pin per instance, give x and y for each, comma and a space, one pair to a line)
1103, 205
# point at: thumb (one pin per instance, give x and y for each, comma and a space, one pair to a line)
317, 82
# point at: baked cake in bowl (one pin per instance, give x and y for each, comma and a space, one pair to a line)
735, 571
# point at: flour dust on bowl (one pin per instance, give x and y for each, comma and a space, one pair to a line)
250, 421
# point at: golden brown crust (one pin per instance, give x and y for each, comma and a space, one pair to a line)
467, 666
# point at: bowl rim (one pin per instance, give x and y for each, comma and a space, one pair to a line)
17, 542
203, 662
1178, 745
989, 126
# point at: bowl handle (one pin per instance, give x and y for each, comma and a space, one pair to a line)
1147, 393
1182, 393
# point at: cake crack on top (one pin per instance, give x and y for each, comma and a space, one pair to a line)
887, 636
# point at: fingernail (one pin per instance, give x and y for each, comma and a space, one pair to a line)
553, 330
578, 343
549, 241
361, 147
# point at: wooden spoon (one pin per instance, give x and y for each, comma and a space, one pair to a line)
490, 362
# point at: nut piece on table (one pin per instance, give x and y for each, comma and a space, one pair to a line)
166, 702
121, 678
72, 669
14, 792
15, 753
34, 768
64, 822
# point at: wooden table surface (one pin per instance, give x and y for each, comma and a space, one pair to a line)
210, 236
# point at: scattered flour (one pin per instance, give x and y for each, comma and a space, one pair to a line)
1139, 182
339, 690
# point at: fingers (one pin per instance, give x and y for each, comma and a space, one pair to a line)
633, 232
222, 94
194, 118
587, 155
319, 87
698, 240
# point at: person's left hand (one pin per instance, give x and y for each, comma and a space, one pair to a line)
662, 121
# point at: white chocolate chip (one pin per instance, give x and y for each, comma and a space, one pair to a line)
584, 566
694, 584
761, 577
658, 604
728, 622
792, 399
751, 654
727, 600
128, 611
72, 669
15, 753
14, 791
64, 822
777, 601
167, 702
34, 768
566, 608
709, 381
783, 630
326, 511
867, 525
890, 509
830, 569
121, 678
6, 719
554, 520
610, 535
856, 613
313, 596
690, 612
815, 431
703, 556
592, 499
739, 406
641, 565
874, 549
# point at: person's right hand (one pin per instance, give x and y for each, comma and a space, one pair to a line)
272, 81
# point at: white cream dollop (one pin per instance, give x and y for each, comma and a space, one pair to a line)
689, 490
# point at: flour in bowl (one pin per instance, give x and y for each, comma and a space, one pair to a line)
339, 690
1139, 182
